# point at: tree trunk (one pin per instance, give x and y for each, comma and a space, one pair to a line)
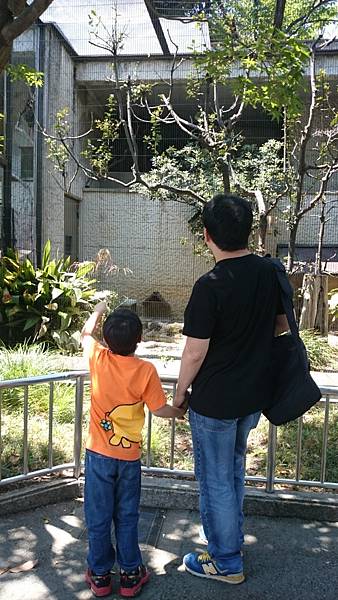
262, 230
224, 170
6, 18
5, 55
315, 313
319, 253
11, 28
292, 247
279, 13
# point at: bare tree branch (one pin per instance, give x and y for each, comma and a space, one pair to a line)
301, 21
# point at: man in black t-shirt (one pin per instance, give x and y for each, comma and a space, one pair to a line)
232, 315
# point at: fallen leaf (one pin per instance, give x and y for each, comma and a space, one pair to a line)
26, 566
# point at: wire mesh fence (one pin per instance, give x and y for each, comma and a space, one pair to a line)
149, 241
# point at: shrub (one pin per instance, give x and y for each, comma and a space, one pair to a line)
48, 303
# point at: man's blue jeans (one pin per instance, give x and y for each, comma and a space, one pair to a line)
112, 494
219, 453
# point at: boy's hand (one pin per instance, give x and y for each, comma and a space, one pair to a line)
101, 307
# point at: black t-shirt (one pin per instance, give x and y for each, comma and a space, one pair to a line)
235, 305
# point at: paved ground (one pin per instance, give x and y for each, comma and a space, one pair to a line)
285, 559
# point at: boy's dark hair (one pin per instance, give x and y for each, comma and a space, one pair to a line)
228, 221
122, 331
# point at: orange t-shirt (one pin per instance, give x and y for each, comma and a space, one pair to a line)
120, 386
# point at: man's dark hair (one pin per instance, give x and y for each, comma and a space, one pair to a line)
228, 221
122, 331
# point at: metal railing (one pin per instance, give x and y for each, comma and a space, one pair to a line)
78, 378
75, 377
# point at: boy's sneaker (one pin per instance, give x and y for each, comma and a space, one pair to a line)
131, 582
203, 565
100, 585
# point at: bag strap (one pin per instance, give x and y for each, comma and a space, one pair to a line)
287, 301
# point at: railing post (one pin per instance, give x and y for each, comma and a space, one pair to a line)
78, 425
50, 424
172, 435
271, 462
148, 457
325, 439
25, 429
299, 448
0, 434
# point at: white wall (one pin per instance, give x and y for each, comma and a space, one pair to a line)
144, 236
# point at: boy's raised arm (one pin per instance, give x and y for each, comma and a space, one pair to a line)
89, 327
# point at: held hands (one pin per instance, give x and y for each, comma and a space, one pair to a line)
181, 402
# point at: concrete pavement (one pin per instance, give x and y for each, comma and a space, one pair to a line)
285, 559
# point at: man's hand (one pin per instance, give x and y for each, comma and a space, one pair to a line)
181, 400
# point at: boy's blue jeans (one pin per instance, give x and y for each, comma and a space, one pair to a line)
112, 494
219, 453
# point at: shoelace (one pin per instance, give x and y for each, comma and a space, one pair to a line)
205, 556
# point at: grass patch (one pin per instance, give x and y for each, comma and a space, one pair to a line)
321, 355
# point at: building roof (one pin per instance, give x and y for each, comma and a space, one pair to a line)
145, 33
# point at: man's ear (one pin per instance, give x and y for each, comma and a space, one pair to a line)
206, 235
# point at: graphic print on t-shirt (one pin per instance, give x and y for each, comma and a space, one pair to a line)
125, 421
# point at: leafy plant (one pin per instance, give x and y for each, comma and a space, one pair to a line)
28, 75
48, 303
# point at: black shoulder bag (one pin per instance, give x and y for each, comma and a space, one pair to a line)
293, 390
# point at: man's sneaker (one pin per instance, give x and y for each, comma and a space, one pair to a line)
100, 585
202, 565
131, 582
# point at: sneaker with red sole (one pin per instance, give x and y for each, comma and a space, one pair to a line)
100, 585
131, 582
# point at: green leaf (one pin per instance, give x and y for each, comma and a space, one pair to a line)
46, 254
85, 268
31, 323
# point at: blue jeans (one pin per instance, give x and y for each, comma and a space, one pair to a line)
219, 453
112, 494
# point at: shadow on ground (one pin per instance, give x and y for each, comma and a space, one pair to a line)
284, 558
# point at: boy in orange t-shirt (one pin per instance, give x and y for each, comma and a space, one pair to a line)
121, 384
